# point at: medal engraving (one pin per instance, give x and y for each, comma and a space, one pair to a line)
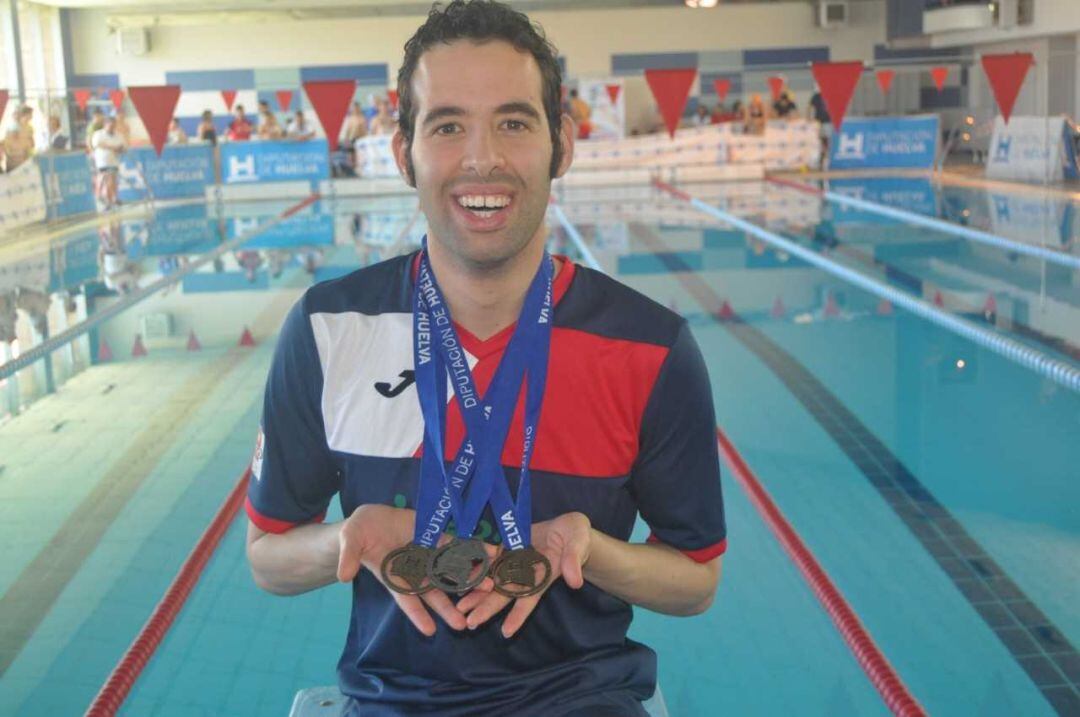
520, 573
458, 566
405, 570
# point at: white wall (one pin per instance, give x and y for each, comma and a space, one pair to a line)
1051, 17
587, 38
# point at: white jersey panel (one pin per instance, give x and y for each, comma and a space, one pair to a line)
358, 351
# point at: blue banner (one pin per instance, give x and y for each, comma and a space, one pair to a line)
184, 229
305, 229
76, 263
914, 194
180, 171
69, 187
885, 143
277, 161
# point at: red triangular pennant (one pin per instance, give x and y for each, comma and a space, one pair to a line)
229, 96
670, 88
331, 100
104, 352
726, 312
722, 86
613, 93
776, 86
156, 106
246, 339
1006, 74
284, 99
82, 98
138, 348
117, 97
939, 74
837, 81
884, 80
392, 95
884, 308
193, 342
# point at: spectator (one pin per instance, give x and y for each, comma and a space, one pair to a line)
701, 116
580, 112
269, 127
754, 116
383, 122
240, 127
58, 141
108, 145
264, 108
122, 127
818, 112
355, 125
299, 128
207, 132
176, 135
784, 106
19, 138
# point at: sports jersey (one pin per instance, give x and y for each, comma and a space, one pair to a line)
627, 427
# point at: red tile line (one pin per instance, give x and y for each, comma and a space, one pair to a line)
127, 671
897, 697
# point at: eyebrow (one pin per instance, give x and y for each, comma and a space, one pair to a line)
438, 113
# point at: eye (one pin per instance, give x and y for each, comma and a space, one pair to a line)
515, 125
446, 129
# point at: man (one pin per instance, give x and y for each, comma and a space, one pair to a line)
627, 424
581, 113
108, 145
19, 138
298, 127
58, 141
818, 112
240, 128
383, 120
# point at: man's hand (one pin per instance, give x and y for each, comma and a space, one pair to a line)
564, 541
367, 537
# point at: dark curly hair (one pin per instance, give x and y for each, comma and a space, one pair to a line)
481, 21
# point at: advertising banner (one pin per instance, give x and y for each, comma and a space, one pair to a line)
304, 229
69, 186
275, 161
1032, 149
886, 143
22, 197
181, 171
913, 194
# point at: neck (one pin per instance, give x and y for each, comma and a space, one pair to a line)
485, 300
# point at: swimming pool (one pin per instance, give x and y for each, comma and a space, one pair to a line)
932, 477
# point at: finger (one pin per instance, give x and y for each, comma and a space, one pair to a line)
487, 609
350, 556
416, 612
570, 565
523, 607
445, 608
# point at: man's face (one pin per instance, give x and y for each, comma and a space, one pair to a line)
481, 150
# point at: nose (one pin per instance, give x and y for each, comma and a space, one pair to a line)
483, 154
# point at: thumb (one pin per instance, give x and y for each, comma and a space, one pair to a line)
573, 556
350, 555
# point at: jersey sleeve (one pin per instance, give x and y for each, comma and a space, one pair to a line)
293, 473
676, 478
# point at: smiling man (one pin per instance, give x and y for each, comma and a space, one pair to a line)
356, 407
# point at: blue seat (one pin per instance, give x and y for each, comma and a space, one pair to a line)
329, 702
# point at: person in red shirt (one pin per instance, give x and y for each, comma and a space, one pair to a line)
240, 128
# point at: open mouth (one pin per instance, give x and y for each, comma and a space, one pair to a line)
484, 206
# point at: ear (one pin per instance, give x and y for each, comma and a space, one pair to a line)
400, 147
566, 138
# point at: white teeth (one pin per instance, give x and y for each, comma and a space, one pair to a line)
487, 201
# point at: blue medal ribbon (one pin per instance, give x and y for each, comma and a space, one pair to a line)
437, 348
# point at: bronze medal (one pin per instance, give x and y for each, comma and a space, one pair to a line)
520, 573
458, 566
405, 570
